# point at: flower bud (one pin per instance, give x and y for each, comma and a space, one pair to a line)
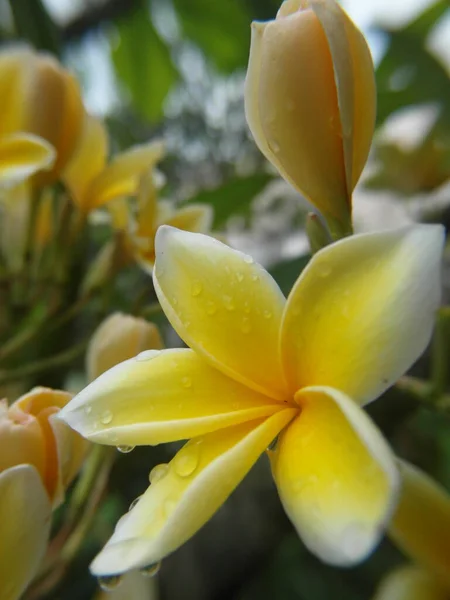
38, 96
310, 101
30, 434
118, 338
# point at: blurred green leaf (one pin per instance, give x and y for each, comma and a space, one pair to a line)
409, 74
220, 29
232, 198
286, 273
143, 64
33, 23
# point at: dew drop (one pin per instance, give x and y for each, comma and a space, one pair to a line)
211, 308
228, 303
125, 449
186, 382
197, 288
174, 300
159, 271
275, 146
239, 276
245, 325
135, 501
248, 259
151, 570
108, 583
88, 409
106, 417
147, 355
186, 461
246, 307
255, 277
158, 472
267, 314
324, 270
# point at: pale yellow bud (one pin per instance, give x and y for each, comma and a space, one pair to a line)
118, 338
39, 96
31, 434
311, 100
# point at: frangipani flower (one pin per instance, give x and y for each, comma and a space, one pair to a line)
91, 181
140, 230
258, 367
118, 338
39, 97
310, 101
421, 527
39, 457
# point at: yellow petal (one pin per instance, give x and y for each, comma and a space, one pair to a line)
88, 160
170, 395
147, 205
14, 66
355, 84
363, 311
223, 305
336, 477
410, 583
122, 176
25, 515
185, 495
194, 217
118, 338
421, 524
22, 155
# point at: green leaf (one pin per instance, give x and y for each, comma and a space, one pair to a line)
33, 23
220, 29
233, 197
143, 64
286, 273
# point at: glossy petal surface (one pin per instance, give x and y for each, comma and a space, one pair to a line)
161, 397
184, 495
25, 515
223, 305
336, 477
363, 311
421, 524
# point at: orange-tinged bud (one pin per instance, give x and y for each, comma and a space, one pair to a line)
118, 338
39, 96
311, 100
30, 434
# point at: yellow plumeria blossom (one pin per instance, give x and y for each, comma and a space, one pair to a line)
118, 338
91, 181
38, 96
310, 101
140, 230
39, 457
260, 366
421, 527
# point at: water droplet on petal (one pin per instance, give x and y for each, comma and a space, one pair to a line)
248, 259
147, 355
324, 270
108, 583
228, 303
211, 308
186, 382
267, 314
106, 417
255, 277
197, 288
174, 300
246, 307
246, 325
158, 472
125, 449
135, 501
151, 570
88, 409
159, 271
186, 461
239, 276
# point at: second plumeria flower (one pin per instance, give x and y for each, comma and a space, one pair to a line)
260, 366
310, 102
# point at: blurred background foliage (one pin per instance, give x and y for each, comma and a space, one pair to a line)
175, 68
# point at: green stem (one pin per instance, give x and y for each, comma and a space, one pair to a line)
424, 392
441, 352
